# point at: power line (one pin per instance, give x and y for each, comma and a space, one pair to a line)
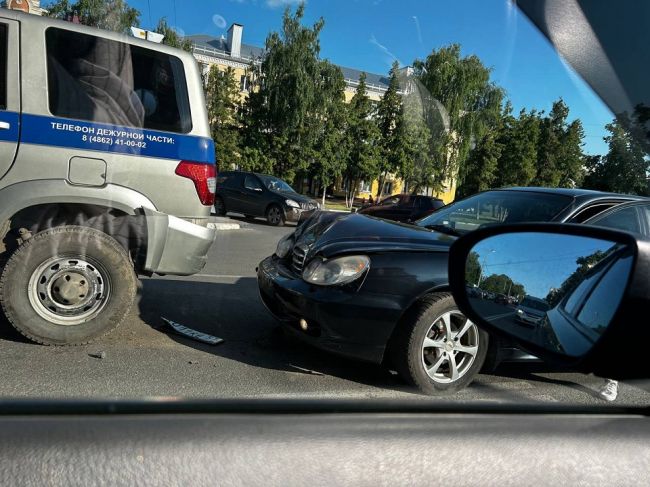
149, 8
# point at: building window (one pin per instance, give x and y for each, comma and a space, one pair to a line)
364, 187
244, 83
388, 188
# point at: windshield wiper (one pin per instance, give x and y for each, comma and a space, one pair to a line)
443, 229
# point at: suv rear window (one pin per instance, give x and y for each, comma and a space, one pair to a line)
3, 66
101, 80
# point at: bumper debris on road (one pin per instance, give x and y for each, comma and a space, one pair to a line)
193, 334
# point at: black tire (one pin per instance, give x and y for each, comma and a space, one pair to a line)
275, 216
219, 206
409, 358
91, 263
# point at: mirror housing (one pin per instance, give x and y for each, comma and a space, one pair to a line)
620, 350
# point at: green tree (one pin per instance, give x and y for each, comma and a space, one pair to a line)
171, 36
389, 118
115, 15
502, 284
473, 271
283, 116
415, 152
519, 139
559, 155
482, 166
363, 139
462, 105
223, 102
625, 167
330, 148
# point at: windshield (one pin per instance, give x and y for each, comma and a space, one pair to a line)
535, 304
494, 207
275, 184
145, 134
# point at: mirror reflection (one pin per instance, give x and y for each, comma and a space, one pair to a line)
556, 291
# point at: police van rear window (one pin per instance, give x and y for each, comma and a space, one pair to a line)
105, 81
3, 66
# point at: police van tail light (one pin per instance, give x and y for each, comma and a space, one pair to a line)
204, 177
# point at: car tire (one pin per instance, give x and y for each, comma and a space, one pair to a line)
67, 285
412, 358
219, 206
275, 216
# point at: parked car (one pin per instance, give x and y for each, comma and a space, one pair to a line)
107, 170
531, 310
404, 207
378, 290
260, 195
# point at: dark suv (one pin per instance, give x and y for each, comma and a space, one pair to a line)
262, 195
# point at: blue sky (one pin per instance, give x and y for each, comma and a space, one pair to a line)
525, 258
368, 34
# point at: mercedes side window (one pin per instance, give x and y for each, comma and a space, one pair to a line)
251, 182
100, 80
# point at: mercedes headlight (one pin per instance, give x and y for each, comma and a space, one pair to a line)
340, 270
292, 204
284, 246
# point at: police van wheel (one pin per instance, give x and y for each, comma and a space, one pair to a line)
67, 286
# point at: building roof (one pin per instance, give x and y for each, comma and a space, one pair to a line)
218, 46
372, 79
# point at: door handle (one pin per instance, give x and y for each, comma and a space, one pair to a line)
5, 125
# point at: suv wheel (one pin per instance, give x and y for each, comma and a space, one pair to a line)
275, 216
437, 349
219, 206
67, 286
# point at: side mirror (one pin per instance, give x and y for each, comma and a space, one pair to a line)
572, 295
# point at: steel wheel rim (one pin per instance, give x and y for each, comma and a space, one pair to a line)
69, 290
449, 347
274, 215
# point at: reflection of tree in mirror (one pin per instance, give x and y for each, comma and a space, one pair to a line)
502, 284
473, 269
585, 264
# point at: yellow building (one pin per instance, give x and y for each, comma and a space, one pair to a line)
230, 51
28, 6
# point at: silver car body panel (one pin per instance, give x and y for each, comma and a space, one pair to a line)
63, 172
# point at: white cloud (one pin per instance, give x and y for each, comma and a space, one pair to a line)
272, 3
281, 3
389, 57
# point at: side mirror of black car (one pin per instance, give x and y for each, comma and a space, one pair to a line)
573, 295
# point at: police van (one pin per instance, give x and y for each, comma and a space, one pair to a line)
107, 172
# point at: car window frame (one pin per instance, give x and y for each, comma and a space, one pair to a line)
642, 219
256, 179
610, 204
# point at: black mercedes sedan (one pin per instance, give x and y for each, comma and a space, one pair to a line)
377, 290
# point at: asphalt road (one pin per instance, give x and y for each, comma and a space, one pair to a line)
144, 359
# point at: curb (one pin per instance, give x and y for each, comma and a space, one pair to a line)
224, 226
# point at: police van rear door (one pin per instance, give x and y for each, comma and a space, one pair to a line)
9, 94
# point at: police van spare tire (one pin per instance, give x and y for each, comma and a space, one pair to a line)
67, 286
